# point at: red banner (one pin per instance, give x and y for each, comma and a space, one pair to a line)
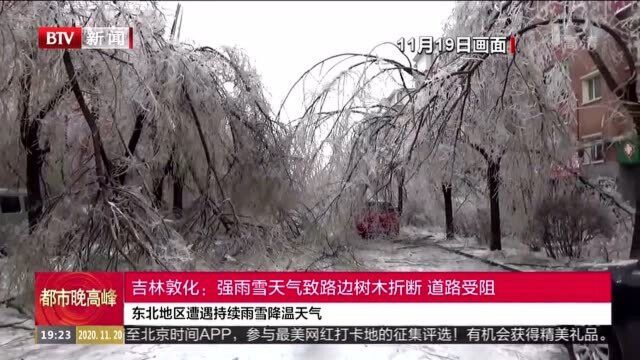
59, 37
530, 287
79, 298
100, 298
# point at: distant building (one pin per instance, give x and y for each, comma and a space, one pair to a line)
603, 127
396, 101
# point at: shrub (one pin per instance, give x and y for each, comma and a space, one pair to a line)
422, 208
476, 222
565, 223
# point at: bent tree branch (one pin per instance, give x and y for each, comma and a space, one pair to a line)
99, 154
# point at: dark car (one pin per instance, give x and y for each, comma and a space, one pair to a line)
626, 312
625, 342
378, 218
13, 217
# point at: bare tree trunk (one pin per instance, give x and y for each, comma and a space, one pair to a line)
34, 192
401, 191
448, 209
131, 146
30, 138
158, 189
209, 155
493, 178
177, 197
493, 182
29, 131
103, 164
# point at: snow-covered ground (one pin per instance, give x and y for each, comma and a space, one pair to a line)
414, 253
517, 255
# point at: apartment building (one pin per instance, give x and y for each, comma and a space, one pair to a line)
604, 129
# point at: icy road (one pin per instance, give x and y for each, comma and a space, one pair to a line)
16, 342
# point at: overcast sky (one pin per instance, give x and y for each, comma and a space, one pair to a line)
285, 38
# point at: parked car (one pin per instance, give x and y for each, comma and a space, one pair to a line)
625, 342
13, 216
626, 311
378, 218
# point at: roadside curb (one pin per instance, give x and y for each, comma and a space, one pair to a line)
486, 261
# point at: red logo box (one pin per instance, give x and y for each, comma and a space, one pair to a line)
79, 298
60, 37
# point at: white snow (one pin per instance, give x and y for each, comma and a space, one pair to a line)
517, 255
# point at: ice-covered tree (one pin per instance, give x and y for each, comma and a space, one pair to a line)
508, 105
101, 134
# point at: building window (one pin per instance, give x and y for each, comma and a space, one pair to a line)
9, 204
593, 153
591, 89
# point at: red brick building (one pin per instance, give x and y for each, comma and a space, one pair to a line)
601, 122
